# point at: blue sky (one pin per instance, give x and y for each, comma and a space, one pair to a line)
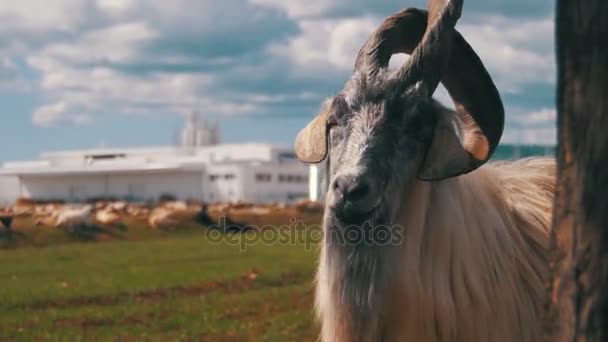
80, 73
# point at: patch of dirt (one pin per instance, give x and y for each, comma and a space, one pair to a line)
133, 320
244, 283
261, 312
298, 302
217, 337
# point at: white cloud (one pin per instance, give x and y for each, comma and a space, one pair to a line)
308, 9
117, 43
326, 43
85, 90
116, 7
234, 57
297, 9
52, 114
542, 116
49, 114
530, 136
530, 126
515, 51
94, 87
147, 57
32, 15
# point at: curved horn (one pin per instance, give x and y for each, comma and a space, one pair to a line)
470, 86
429, 57
427, 62
477, 102
311, 142
466, 79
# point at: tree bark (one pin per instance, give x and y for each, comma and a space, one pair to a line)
579, 288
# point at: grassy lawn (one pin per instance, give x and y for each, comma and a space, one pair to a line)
178, 286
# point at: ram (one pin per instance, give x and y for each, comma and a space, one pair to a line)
424, 240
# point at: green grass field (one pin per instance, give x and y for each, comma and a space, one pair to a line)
171, 287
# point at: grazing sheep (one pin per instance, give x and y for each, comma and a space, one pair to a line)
100, 205
23, 210
176, 206
219, 207
162, 218
73, 217
118, 206
137, 210
108, 217
50, 208
422, 243
45, 220
141, 212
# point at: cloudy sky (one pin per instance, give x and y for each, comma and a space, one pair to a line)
76, 73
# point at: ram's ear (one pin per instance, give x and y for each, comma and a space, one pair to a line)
446, 156
311, 142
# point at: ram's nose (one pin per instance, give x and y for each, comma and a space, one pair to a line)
352, 195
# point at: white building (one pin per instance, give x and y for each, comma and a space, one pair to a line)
198, 169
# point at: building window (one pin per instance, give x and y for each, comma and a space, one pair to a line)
289, 156
263, 177
228, 176
293, 179
105, 156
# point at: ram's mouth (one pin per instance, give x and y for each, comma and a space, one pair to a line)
347, 215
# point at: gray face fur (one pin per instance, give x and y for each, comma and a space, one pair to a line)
379, 138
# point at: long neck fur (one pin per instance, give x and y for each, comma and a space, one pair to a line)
472, 265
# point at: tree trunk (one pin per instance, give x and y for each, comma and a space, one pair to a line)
580, 231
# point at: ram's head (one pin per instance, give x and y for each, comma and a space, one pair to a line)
383, 130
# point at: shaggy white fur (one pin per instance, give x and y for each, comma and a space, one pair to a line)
472, 266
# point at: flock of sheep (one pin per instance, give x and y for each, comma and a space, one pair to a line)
162, 215
101, 213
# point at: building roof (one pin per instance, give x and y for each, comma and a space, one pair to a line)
138, 160
161, 150
31, 169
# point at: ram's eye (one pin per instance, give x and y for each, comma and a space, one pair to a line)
332, 122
